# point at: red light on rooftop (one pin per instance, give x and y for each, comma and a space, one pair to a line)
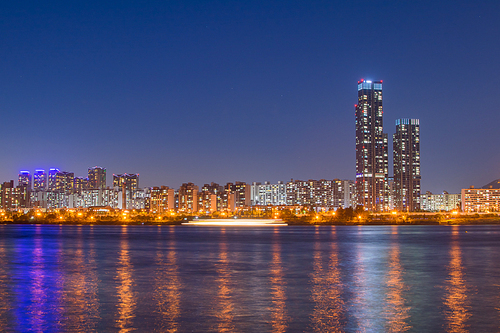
362, 80
381, 81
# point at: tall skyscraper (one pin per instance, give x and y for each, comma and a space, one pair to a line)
371, 148
39, 180
97, 178
406, 153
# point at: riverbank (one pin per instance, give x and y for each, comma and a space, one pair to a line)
296, 222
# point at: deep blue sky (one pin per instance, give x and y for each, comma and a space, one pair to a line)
252, 91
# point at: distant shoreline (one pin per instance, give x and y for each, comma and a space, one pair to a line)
458, 221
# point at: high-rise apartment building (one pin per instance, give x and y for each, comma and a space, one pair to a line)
65, 182
10, 196
213, 188
242, 194
188, 198
371, 148
406, 153
131, 181
39, 180
161, 199
80, 184
97, 178
25, 179
268, 194
52, 181
207, 200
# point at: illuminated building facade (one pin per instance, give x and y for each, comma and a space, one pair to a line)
39, 180
406, 158
97, 178
10, 196
206, 196
52, 181
25, 179
324, 194
161, 199
343, 193
268, 194
241, 194
131, 181
80, 184
439, 202
480, 200
64, 182
207, 200
188, 198
371, 148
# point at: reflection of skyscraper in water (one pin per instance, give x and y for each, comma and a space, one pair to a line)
327, 289
456, 302
79, 287
5, 307
38, 309
397, 309
371, 148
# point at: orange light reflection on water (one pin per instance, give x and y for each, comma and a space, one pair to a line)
79, 293
397, 311
329, 309
279, 316
225, 307
126, 299
457, 308
167, 290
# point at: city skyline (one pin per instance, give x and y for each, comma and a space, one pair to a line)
245, 92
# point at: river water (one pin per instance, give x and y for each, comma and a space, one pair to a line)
250, 279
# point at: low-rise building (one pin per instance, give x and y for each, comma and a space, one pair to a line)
480, 200
439, 202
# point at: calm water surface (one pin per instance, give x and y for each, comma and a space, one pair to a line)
269, 279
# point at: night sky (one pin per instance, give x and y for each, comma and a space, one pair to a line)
250, 91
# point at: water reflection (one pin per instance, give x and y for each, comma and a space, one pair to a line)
224, 302
79, 285
126, 298
279, 317
397, 312
329, 310
5, 315
359, 308
456, 302
167, 289
37, 309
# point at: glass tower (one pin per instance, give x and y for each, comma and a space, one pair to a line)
371, 148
